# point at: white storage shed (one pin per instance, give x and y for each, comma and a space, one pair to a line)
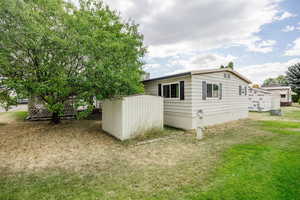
132, 115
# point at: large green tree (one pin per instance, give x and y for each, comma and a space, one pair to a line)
293, 77
55, 50
280, 80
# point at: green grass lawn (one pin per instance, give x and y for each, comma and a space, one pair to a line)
264, 166
293, 115
265, 169
15, 115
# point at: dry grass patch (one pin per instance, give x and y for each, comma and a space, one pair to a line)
116, 169
289, 114
82, 146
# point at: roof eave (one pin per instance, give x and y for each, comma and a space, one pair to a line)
222, 70
166, 77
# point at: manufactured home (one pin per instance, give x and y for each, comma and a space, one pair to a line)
261, 100
285, 93
201, 98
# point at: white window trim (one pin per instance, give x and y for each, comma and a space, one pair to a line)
218, 84
162, 90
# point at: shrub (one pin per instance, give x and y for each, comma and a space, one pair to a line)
295, 98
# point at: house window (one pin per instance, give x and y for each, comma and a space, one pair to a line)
212, 90
166, 91
243, 90
226, 75
282, 96
175, 90
171, 90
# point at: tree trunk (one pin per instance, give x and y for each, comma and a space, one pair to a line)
55, 118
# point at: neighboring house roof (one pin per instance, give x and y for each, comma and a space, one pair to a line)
277, 88
260, 90
196, 72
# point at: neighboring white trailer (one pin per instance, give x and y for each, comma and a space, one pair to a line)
132, 115
259, 100
284, 92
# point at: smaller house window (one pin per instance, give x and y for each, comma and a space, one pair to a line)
212, 90
226, 75
242, 90
171, 90
282, 96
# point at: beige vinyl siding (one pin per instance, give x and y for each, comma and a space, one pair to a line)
177, 113
183, 113
232, 106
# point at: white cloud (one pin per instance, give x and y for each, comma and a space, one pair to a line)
255, 44
200, 61
295, 49
151, 66
289, 28
172, 27
258, 73
285, 15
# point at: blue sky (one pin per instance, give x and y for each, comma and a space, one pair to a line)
261, 37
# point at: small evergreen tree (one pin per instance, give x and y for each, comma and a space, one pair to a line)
293, 77
230, 65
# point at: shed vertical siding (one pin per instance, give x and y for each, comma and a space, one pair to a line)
132, 115
112, 121
141, 113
